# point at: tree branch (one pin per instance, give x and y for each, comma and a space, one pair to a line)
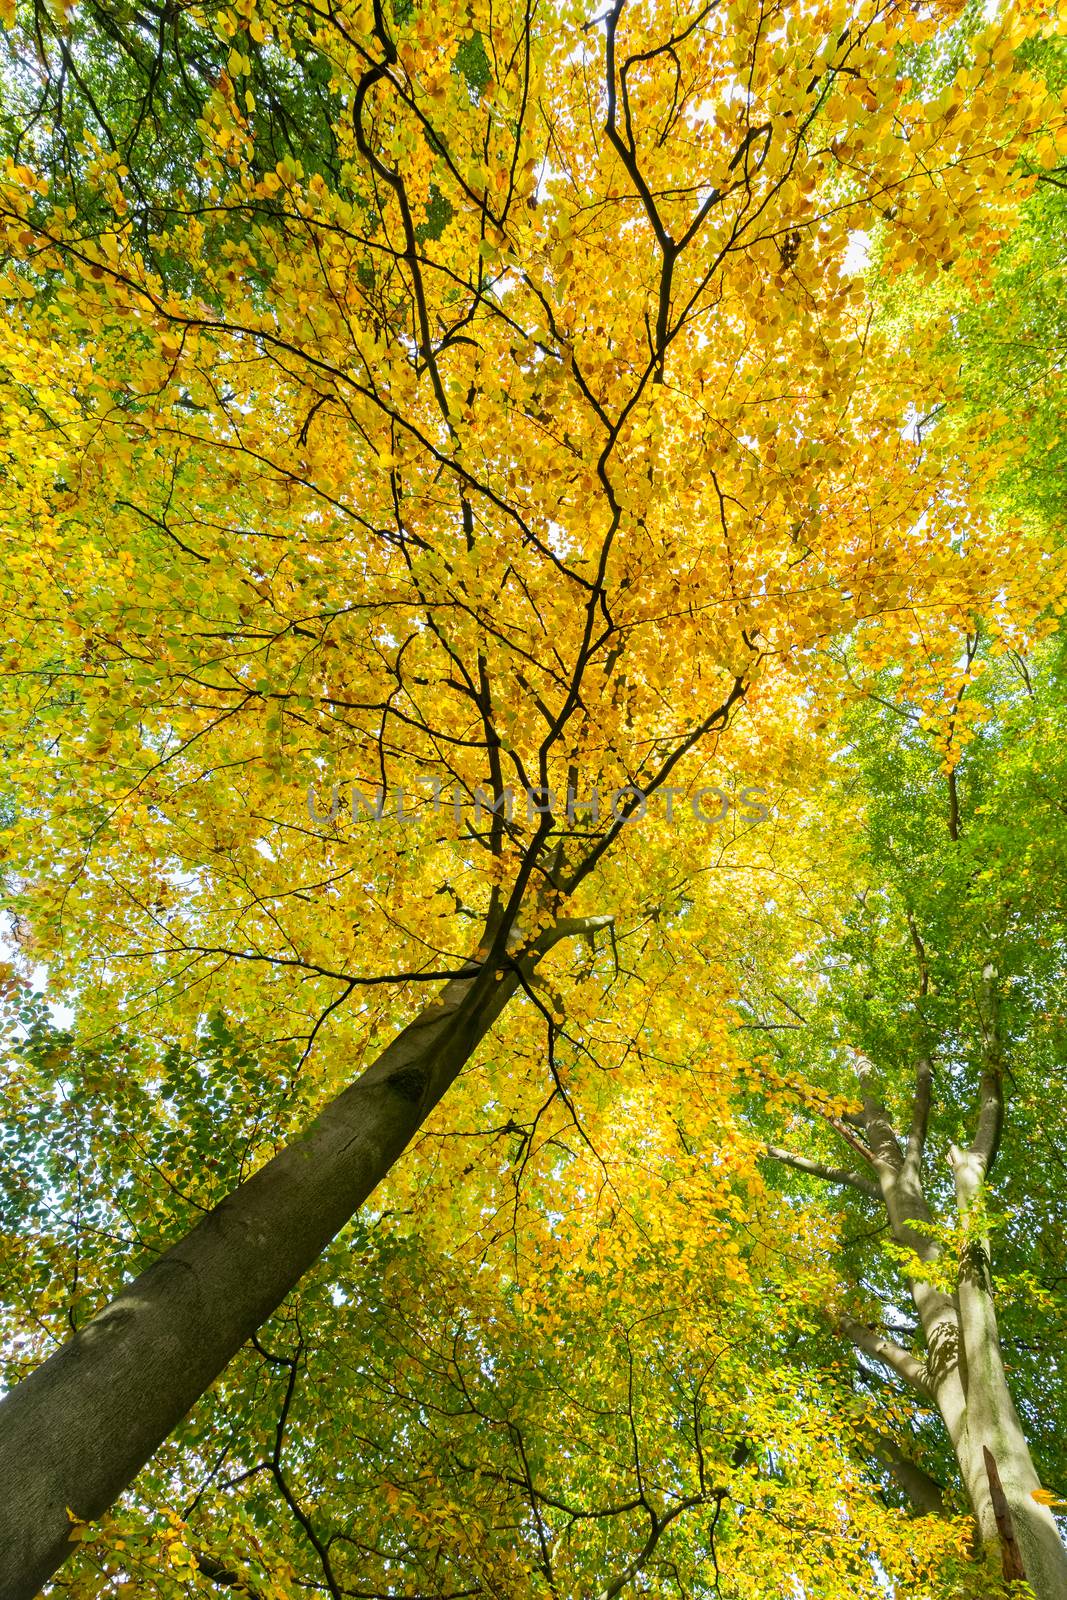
891, 1355
986, 1141
920, 1117
876, 1124
816, 1169
925, 1493
659, 1526
225, 1576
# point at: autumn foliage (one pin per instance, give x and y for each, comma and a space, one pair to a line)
409, 404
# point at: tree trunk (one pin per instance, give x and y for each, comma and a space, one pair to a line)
963, 1371
999, 1477
78, 1429
996, 1463
965, 1374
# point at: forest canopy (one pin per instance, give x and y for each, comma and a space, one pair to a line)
534, 854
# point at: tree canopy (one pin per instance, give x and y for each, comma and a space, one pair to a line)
532, 825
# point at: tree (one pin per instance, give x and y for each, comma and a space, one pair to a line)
944, 1012
459, 453
582, 1376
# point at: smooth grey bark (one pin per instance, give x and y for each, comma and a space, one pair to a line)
999, 1462
79, 1428
962, 1371
925, 1494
